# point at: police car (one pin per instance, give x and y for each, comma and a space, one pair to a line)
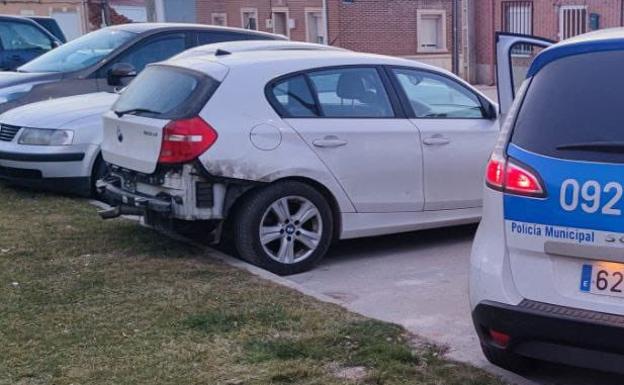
547, 268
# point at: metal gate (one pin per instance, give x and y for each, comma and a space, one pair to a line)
572, 21
517, 17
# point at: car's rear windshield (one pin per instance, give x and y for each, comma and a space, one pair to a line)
166, 92
574, 109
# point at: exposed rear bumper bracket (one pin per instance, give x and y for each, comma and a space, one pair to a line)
127, 203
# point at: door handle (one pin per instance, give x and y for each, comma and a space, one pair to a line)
436, 140
329, 141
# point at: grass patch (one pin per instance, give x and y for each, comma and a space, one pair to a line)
86, 301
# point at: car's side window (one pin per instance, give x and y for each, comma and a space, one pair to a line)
155, 50
22, 36
435, 96
294, 97
356, 92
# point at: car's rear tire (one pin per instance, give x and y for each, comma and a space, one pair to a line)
507, 360
296, 224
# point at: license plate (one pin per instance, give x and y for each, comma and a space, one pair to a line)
603, 278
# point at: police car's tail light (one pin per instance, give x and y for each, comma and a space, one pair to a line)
508, 176
495, 174
520, 181
499, 338
185, 140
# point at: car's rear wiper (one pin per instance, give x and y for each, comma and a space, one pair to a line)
615, 147
135, 110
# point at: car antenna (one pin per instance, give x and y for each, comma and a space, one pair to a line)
222, 52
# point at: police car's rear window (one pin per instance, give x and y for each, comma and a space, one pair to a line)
574, 109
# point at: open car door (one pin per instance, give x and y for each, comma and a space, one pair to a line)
514, 55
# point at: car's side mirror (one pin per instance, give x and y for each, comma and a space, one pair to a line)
118, 72
492, 113
489, 109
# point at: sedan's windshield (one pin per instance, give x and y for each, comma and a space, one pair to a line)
80, 53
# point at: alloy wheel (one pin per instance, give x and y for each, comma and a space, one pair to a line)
291, 229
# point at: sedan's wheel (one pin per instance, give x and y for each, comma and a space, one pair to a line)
285, 228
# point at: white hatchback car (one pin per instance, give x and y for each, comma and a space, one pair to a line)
293, 149
55, 144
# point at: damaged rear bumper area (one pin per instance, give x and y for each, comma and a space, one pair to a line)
127, 203
176, 193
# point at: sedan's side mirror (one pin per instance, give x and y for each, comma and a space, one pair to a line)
118, 72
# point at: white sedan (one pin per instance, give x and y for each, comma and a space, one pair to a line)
288, 151
55, 144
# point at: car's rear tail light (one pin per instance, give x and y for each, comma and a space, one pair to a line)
495, 172
519, 180
185, 140
499, 338
508, 176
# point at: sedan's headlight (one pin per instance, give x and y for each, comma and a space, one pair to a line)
45, 137
9, 94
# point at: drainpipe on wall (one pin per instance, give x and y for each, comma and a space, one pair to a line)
326, 17
455, 55
493, 61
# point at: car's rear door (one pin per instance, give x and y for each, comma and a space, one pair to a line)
514, 55
566, 245
348, 116
458, 129
133, 129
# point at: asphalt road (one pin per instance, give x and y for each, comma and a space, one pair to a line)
420, 280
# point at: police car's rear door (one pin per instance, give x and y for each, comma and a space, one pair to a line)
514, 55
565, 236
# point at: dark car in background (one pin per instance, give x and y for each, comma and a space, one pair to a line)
21, 40
51, 25
107, 59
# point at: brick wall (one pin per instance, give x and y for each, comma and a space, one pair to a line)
232, 8
489, 18
379, 26
385, 27
96, 10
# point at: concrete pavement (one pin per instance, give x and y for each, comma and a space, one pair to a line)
420, 280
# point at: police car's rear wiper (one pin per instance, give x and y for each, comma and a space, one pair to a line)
617, 147
135, 110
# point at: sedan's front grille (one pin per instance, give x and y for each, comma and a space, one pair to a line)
7, 133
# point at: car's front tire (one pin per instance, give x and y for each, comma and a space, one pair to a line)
99, 171
285, 227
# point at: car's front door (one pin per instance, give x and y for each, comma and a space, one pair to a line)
458, 130
514, 55
348, 117
150, 50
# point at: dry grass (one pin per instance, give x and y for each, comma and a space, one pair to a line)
85, 301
